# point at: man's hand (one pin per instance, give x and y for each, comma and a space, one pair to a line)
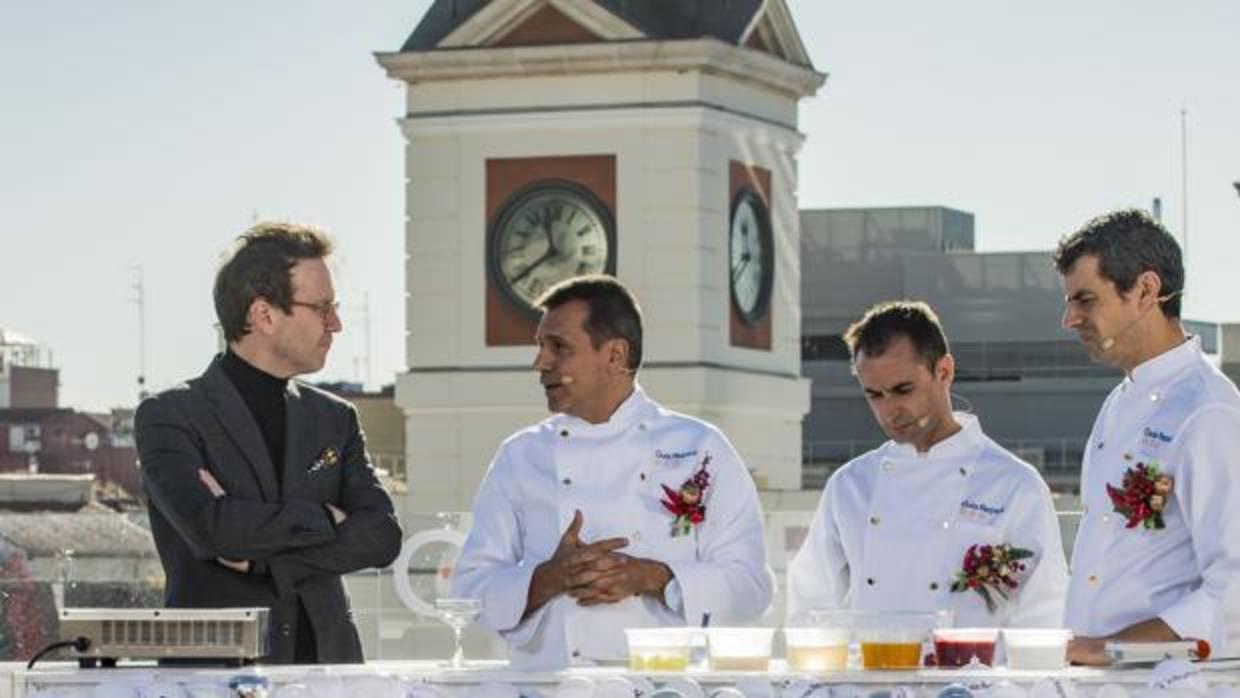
217, 491
620, 576
1088, 651
572, 563
338, 515
1091, 651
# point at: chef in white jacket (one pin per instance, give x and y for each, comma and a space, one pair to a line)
894, 525
1163, 564
614, 512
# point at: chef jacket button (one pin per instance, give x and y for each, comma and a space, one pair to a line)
641, 426
576, 653
643, 476
285, 630
564, 433
947, 524
1154, 397
1101, 444
963, 472
873, 520
888, 466
1093, 579
567, 481
934, 586
1106, 518
869, 580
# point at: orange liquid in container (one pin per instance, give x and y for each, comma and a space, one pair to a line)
890, 655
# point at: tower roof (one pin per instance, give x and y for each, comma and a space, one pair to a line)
730, 21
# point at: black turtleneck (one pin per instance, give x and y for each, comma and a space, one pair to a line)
263, 393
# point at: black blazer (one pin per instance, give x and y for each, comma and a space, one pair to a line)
294, 549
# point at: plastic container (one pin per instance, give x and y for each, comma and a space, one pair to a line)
893, 639
659, 649
818, 648
1042, 649
956, 647
740, 649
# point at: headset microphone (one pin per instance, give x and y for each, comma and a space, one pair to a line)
1109, 342
566, 380
923, 421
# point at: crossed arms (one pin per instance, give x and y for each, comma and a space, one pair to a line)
294, 540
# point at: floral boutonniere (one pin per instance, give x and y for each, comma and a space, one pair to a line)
688, 503
1142, 495
991, 569
329, 458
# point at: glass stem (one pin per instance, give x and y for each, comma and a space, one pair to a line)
458, 659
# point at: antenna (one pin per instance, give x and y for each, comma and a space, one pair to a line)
1184, 183
366, 324
139, 287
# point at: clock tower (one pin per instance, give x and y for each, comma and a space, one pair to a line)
656, 141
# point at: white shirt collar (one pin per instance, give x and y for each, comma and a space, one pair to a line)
634, 408
962, 443
1159, 369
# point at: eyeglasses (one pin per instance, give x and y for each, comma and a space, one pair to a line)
326, 309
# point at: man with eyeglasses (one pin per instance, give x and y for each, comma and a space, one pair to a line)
261, 491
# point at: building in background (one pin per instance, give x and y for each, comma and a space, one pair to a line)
382, 421
1029, 380
657, 141
27, 378
37, 435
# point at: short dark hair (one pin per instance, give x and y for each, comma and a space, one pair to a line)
614, 313
1127, 244
258, 266
884, 322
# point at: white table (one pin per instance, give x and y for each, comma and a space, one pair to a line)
419, 679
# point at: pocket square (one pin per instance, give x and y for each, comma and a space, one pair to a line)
329, 458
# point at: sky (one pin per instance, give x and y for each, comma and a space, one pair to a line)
148, 134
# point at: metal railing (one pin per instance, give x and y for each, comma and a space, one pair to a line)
1058, 459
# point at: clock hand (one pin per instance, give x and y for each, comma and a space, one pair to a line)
526, 271
740, 267
551, 248
552, 251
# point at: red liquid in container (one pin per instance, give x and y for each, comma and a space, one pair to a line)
956, 653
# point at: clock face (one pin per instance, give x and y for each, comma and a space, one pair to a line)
752, 256
546, 234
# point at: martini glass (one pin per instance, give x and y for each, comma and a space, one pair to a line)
458, 613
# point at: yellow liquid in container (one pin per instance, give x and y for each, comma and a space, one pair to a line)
818, 658
891, 655
658, 662
740, 663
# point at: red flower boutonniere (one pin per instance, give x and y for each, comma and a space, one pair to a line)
1142, 495
991, 569
689, 503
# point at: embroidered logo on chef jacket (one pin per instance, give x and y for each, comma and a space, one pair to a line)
1152, 439
979, 512
674, 455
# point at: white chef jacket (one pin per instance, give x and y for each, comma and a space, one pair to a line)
1179, 411
612, 472
893, 526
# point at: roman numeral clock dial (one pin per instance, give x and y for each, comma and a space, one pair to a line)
752, 256
548, 233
